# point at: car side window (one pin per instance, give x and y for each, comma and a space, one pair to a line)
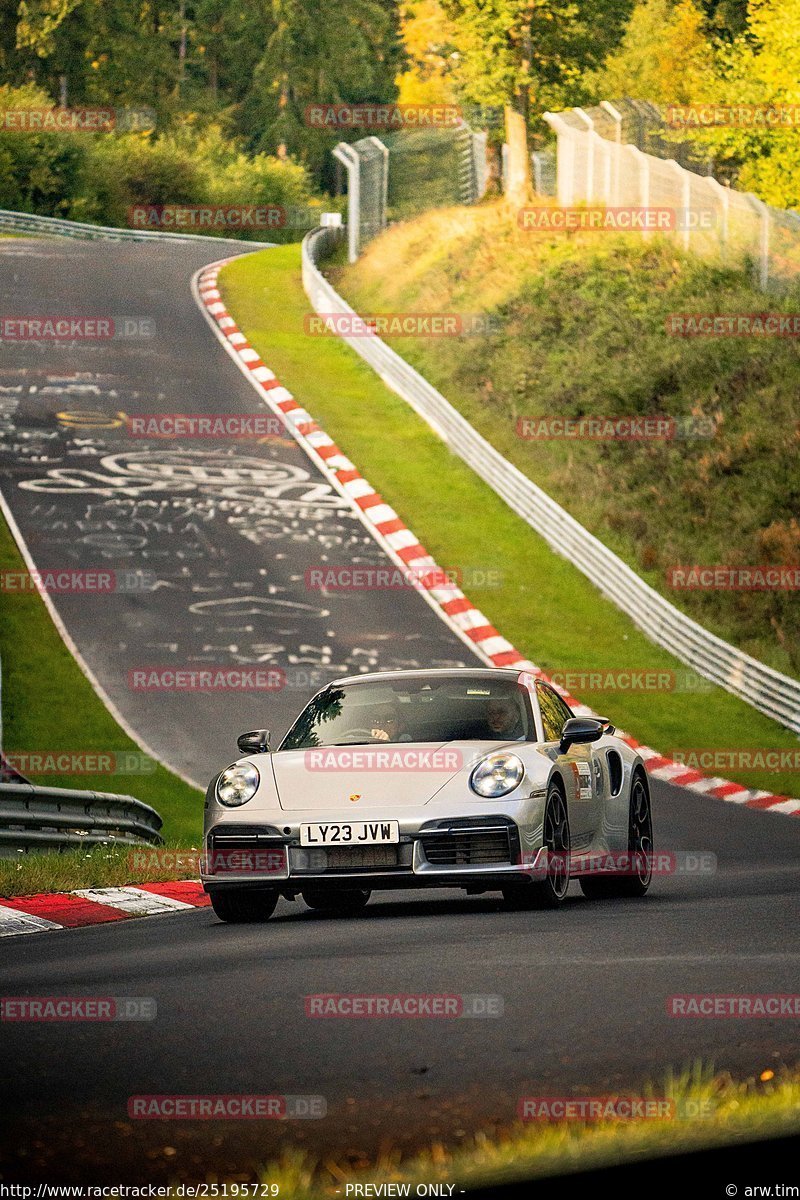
564, 710
551, 716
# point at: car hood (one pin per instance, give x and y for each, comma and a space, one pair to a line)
384, 775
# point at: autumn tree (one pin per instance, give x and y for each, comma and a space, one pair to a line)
665, 56
528, 55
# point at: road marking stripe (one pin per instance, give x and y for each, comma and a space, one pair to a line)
359, 489
384, 514
131, 900
498, 645
12, 922
262, 374
67, 909
786, 806
280, 393
470, 618
401, 538
189, 890
339, 462
482, 633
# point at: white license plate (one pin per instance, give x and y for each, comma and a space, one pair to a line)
349, 833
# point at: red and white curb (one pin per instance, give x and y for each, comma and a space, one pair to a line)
97, 906
405, 550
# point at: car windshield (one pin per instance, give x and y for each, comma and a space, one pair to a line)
423, 710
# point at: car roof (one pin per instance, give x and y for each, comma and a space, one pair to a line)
498, 673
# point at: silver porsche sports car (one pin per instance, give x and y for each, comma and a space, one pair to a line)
477, 779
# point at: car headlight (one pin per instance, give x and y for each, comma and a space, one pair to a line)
497, 774
237, 784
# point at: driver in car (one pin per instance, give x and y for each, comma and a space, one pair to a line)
387, 725
504, 719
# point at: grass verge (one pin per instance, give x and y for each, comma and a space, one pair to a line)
96, 866
544, 605
582, 330
49, 705
705, 1110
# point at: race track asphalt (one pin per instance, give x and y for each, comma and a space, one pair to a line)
224, 534
584, 997
584, 990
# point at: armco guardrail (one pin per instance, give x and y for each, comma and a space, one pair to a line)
15, 222
45, 818
768, 690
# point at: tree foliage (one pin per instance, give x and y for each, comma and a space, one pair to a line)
665, 56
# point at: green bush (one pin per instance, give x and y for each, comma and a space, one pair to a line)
39, 172
100, 177
189, 169
130, 169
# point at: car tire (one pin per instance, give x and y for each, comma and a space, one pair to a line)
640, 842
344, 904
550, 891
243, 907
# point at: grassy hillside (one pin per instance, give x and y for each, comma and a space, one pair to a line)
539, 601
582, 332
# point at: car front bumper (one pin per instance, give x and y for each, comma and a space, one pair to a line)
478, 853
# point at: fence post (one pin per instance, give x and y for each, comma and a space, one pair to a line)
607, 177
644, 180
616, 116
348, 157
537, 173
686, 197
479, 164
725, 200
763, 240
384, 150
565, 157
589, 197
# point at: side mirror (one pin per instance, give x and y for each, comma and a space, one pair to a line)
578, 730
256, 742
